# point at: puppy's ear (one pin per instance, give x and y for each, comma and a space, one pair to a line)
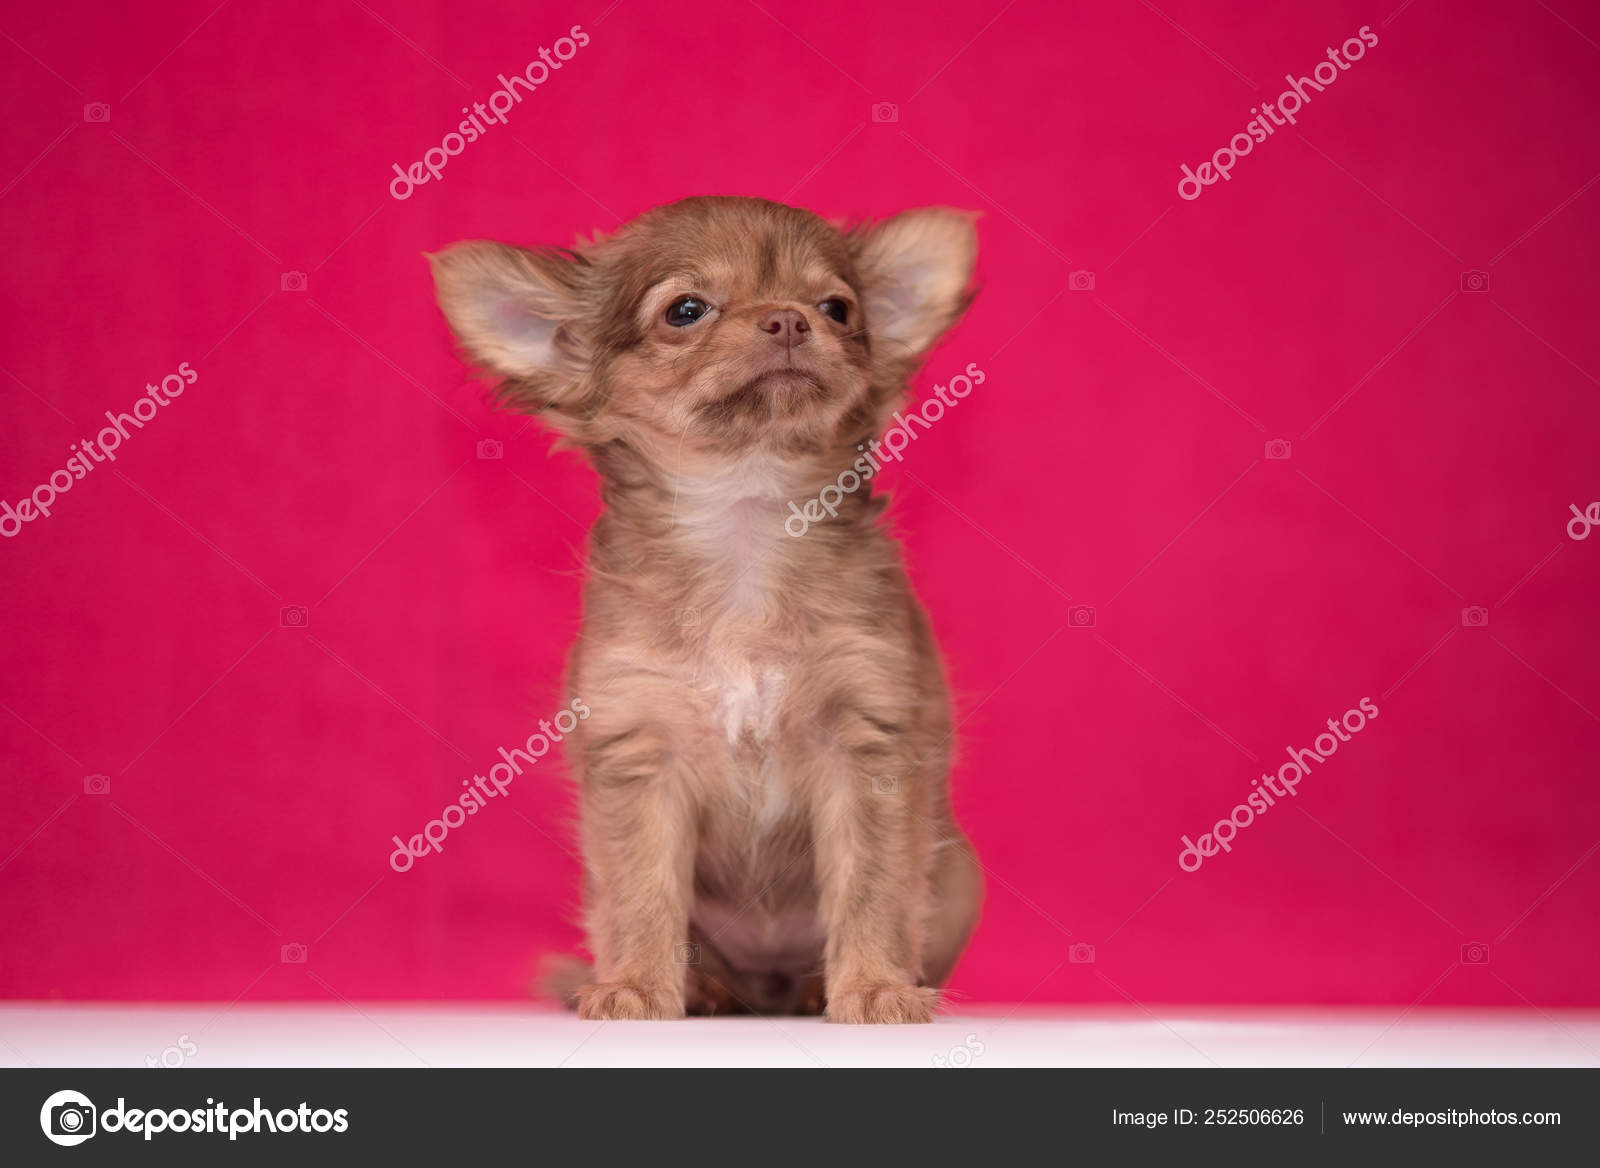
516, 314
915, 269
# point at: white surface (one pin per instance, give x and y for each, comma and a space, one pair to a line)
213, 1034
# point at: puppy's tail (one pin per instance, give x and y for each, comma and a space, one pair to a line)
560, 977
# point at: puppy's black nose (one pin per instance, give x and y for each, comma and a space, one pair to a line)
787, 327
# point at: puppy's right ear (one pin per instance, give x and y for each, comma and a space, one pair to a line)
516, 314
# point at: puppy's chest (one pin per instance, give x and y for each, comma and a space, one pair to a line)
746, 695
744, 657
743, 636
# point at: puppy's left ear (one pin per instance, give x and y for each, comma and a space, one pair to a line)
915, 270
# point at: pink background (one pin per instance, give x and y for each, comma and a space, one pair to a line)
1115, 458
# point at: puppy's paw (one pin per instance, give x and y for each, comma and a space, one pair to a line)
882, 1004
613, 1001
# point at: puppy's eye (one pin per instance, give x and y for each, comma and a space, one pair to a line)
835, 310
685, 310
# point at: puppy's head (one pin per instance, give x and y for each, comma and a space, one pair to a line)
713, 325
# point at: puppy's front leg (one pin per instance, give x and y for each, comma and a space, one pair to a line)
871, 847
639, 833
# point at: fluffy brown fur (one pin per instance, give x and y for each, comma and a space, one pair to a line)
765, 815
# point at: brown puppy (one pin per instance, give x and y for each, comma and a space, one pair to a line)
766, 821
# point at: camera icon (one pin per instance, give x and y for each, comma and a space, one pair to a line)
1278, 449
72, 1119
292, 282
686, 953
687, 617
97, 112
1476, 617
961, 1056
97, 785
294, 616
294, 954
491, 448
1474, 281
1081, 281
885, 784
1081, 954
68, 1118
1474, 953
1081, 616
885, 113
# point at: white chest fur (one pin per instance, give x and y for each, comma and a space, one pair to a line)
737, 637
737, 540
748, 699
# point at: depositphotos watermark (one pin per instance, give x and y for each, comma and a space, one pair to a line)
1579, 526
173, 1057
482, 115
69, 1118
481, 790
963, 1055
878, 451
1265, 118
87, 453
1288, 777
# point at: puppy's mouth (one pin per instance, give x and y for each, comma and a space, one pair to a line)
785, 378
770, 392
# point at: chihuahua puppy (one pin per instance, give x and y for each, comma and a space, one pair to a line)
765, 818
